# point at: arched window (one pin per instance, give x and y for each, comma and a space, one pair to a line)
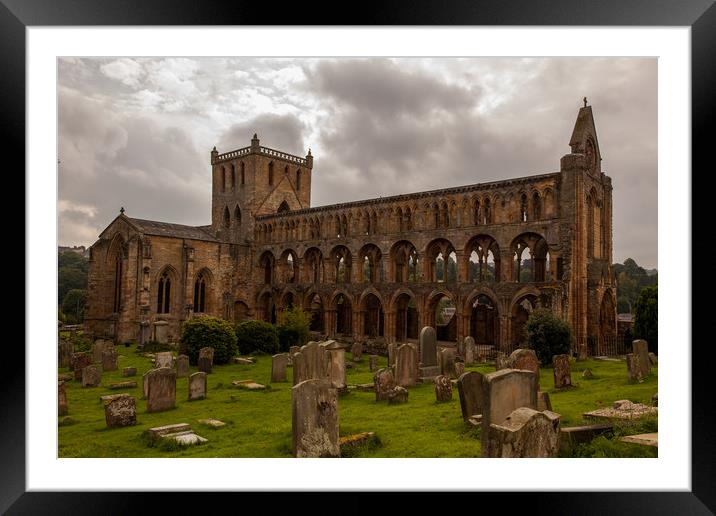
164, 294
523, 208
117, 281
283, 207
536, 206
223, 179
487, 212
237, 215
227, 217
200, 294
270, 174
298, 179
233, 177
243, 174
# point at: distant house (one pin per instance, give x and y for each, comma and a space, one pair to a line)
79, 249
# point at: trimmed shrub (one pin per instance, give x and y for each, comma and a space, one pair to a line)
547, 335
257, 336
207, 331
294, 329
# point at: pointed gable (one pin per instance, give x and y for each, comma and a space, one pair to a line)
584, 136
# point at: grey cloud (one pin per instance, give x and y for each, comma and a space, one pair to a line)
281, 132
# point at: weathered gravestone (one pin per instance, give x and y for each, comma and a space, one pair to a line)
373, 363
182, 366
109, 359
79, 362
64, 353
470, 350
501, 361
641, 348
443, 388
525, 432
129, 371
398, 395
98, 348
635, 371
300, 368
447, 362
384, 382
459, 368
469, 387
91, 375
206, 360
121, 411
428, 347
161, 332
61, 399
163, 359
315, 419
406, 365
335, 357
392, 347
562, 371
357, 351
197, 386
524, 359
502, 392
145, 332
161, 388
279, 363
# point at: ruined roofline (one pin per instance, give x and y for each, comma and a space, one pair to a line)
409, 196
265, 151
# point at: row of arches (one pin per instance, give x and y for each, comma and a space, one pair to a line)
479, 261
168, 292
523, 206
228, 221
228, 179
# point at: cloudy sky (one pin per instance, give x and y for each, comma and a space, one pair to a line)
137, 132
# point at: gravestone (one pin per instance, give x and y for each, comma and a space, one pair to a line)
161, 332
443, 388
335, 356
91, 375
79, 362
300, 368
357, 351
384, 382
315, 419
61, 399
641, 348
391, 353
161, 388
459, 369
293, 350
98, 348
447, 362
182, 366
502, 392
460, 348
543, 401
398, 395
406, 365
524, 359
206, 360
145, 332
279, 363
129, 371
121, 411
525, 432
653, 359
197, 386
315, 360
163, 359
470, 350
109, 359
635, 371
64, 353
373, 363
562, 372
469, 387
428, 347
501, 361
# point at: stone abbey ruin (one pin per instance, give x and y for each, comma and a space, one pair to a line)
470, 261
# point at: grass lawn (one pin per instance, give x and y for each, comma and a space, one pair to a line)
258, 423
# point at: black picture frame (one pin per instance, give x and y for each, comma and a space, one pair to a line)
17, 15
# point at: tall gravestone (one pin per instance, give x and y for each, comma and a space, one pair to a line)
206, 360
525, 432
384, 381
470, 350
98, 348
161, 332
635, 370
502, 392
314, 356
61, 399
161, 388
197, 386
357, 351
300, 368
391, 353
335, 357
163, 359
562, 371
182, 366
406, 365
428, 347
279, 364
469, 387
315, 419
109, 359
447, 362
145, 332
641, 348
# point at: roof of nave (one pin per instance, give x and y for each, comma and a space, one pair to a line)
167, 229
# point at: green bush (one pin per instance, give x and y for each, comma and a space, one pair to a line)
201, 332
294, 329
646, 318
257, 336
73, 305
547, 335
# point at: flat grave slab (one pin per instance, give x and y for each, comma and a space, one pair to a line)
622, 409
644, 439
214, 423
169, 429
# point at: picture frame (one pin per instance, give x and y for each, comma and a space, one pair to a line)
16, 16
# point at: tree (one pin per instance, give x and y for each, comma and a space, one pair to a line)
72, 271
73, 305
294, 329
646, 317
547, 335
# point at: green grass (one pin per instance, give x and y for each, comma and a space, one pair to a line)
258, 423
